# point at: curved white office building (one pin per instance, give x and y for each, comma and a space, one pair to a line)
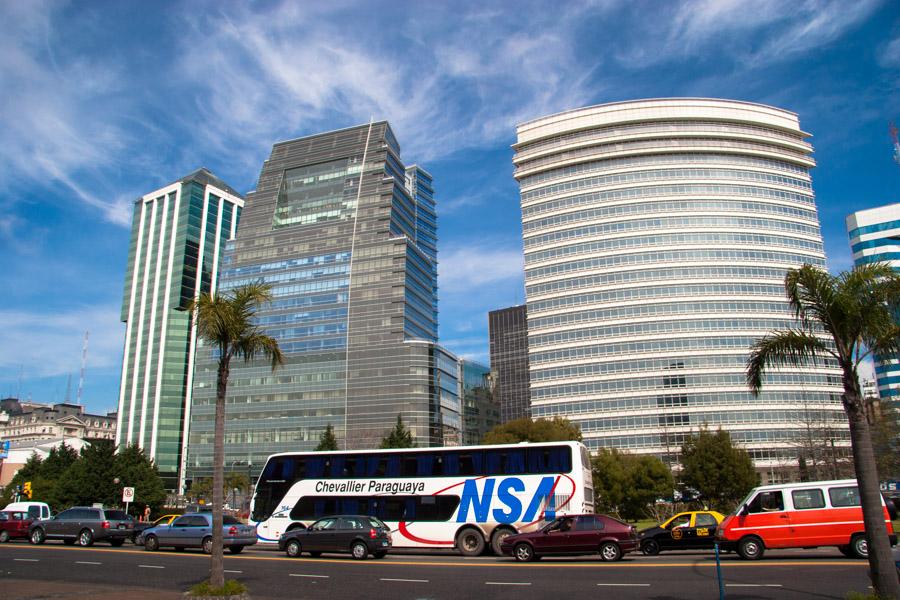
657, 234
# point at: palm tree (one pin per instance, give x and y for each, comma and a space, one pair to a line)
857, 310
225, 321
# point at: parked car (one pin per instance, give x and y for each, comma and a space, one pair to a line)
357, 534
141, 526
799, 515
194, 530
37, 510
14, 524
694, 530
84, 525
575, 534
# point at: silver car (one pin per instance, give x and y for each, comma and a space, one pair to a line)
84, 525
194, 530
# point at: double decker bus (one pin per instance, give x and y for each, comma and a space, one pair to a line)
464, 497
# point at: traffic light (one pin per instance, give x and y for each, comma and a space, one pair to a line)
26, 489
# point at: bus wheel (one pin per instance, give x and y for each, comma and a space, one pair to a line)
500, 534
470, 542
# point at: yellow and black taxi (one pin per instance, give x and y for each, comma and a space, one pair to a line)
694, 530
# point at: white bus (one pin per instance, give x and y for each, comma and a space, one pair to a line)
464, 497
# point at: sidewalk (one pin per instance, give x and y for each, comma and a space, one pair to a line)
22, 589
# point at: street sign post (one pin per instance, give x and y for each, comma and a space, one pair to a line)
127, 497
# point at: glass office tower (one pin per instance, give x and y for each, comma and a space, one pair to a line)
875, 237
657, 234
346, 235
177, 236
481, 411
508, 336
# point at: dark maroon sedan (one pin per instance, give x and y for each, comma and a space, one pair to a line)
575, 534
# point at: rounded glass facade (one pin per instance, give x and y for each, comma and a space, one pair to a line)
657, 235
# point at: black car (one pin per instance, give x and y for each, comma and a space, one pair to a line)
693, 530
84, 525
357, 534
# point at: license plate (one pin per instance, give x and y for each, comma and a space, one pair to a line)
121, 527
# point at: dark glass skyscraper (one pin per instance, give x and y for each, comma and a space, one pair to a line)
508, 333
346, 235
480, 409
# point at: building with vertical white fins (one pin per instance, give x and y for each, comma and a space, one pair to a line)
875, 237
657, 234
178, 234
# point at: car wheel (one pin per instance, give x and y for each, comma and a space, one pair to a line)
500, 534
4, 536
859, 546
116, 543
85, 538
293, 549
751, 548
359, 550
650, 547
315, 554
151, 544
470, 542
610, 552
235, 549
37, 536
523, 552
380, 554
207, 545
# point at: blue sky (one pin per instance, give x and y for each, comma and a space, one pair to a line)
101, 102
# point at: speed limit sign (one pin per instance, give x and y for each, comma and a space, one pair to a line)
128, 494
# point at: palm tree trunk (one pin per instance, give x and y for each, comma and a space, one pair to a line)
881, 565
217, 560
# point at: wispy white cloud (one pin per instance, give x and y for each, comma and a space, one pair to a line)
889, 57
473, 267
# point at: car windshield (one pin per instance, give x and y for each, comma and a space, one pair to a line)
4, 516
116, 515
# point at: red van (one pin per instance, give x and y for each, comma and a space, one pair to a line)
799, 515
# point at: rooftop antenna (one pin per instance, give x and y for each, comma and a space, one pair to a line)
68, 389
19, 388
83, 362
893, 131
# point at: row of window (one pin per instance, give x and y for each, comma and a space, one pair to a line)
422, 509
600, 369
295, 275
712, 419
589, 388
642, 129
660, 223
658, 174
302, 317
667, 291
610, 164
660, 144
282, 265
649, 191
647, 328
649, 241
728, 400
658, 310
314, 286
677, 439
670, 256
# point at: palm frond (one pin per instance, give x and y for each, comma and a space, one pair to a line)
811, 294
779, 348
256, 343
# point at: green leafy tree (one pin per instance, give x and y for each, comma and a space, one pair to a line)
327, 442
237, 480
845, 318
557, 429
398, 437
626, 484
886, 441
226, 322
91, 478
134, 469
715, 467
201, 488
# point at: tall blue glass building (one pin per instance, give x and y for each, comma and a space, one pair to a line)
875, 237
347, 236
657, 234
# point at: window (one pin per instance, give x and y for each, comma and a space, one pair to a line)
767, 502
385, 508
705, 520
183, 522
806, 499
844, 496
588, 523
682, 521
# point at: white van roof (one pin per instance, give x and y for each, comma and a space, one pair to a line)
805, 484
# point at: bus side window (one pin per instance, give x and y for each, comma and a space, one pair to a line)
515, 462
537, 460
375, 465
410, 465
493, 460
451, 463
315, 468
425, 465
393, 466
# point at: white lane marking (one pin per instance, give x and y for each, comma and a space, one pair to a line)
305, 575
753, 585
624, 584
151, 567
505, 583
230, 571
409, 580
26, 559
87, 562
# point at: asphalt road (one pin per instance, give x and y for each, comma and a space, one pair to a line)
135, 573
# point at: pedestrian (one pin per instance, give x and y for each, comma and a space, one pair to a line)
147, 513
